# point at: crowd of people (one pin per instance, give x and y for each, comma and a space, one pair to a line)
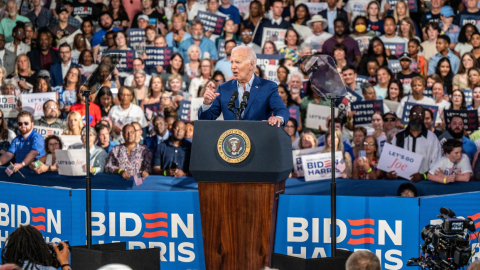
54, 46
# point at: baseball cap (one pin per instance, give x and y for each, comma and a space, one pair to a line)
391, 113
143, 16
405, 56
447, 11
61, 8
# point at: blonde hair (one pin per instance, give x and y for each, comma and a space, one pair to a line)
80, 122
338, 134
175, 77
211, 68
15, 71
308, 133
395, 13
150, 91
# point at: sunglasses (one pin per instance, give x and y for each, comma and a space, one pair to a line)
389, 119
23, 123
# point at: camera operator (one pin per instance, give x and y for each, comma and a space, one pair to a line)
26, 248
363, 260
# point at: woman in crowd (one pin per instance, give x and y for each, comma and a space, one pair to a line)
94, 109
98, 156
150, 35
104, 100
473, 78
67, 94
6, 135
176, 66
395, 90
269, 48
74, 124
3, 74
402, 11
48, 163
365, 166
285, 95
302, 15
259, 72
291, 129
87, 30
438, 94
407, 29
458, 101
42, 85
126, 112
384, 76
228, 33
359, 134
119, 15
193, 67
86, 62
152, 101
175, 84
375, 24
307, 140
339, 55
378, 133
178, 33
8, 87
180, 11
292, 42
23, 74
460, 80
106, 79
79, 45
444, 70
347, 159
288, 9
417, 96
464, 44
476, 99
255, 15
361, 34
206, 72
282, 74
419, 64
210, 84
376, 49
167, 104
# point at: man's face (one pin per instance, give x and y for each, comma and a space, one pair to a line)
389, 122
51, 110
417, 87
160, 42
349, 76
44, 42
277, 9
317, 27
189, 131
213, 5
129, 134
36, 2
242, 68
104, 136
229, 47
331, 3
295, 83
405, 63
63, 16
179, 130
428, 120
389, 27
417, 114
472, 3
197, 31
339, 29
437, 3
160, 126
106, 22
12, 8
65, 54
146, 4
25, 124
457, 125
2, 42
138, 65
442, 45
247, 35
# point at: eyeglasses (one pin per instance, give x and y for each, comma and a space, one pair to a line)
389, 119
23, 123
371, 144
247, 33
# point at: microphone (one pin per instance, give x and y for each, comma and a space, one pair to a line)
447, 212
231, 103
246, 96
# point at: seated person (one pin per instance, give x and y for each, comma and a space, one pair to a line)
51, 118
26, 147
129, 158
98, 156
365, 165
453, 167
347, 159
103, 137
48, 162
172, 157
161, 134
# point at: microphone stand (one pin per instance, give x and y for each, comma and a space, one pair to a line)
88, 180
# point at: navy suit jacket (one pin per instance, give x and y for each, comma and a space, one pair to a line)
340, 14
35, 61
264, 100
56, 77
267, 23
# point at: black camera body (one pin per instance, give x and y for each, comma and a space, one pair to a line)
446, 245
60, 248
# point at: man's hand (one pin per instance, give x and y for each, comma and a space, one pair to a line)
451, 178
416, 177
145, 174
63, 256
126, 175
274, 121
17, 167
179, 173
392, 175
209, 96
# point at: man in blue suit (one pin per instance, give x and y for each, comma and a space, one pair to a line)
264, 102
59, 70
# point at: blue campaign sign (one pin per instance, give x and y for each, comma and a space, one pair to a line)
184, 110
136, 37
126, 60
211, 22
428, 92
408, 106
364, 111
468, 96
361, 79
386, 226
394, 65
158, 56
294, 113
470, 118
264, 60
166, 220
221, 48
397, 48
464, 19
47, 209
412, 5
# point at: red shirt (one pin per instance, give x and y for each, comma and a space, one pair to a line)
94, 110
46, 60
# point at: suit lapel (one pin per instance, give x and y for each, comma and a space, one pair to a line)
253, 93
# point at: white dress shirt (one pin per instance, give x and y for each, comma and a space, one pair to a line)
65, 68
22, 48
277, 21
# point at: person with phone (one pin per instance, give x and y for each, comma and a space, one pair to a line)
365, 165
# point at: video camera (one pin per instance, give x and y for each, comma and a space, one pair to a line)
446, 245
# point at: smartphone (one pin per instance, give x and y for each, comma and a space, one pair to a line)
37, 164
362, 153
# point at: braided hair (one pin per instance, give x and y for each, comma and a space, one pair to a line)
26, 243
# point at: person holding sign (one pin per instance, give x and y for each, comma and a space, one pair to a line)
98, 155
453, 167
264, 98
365, 165
48, 162
418, 139
275, 22
347, 159
418, 86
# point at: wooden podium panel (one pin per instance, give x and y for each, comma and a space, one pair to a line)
238, 223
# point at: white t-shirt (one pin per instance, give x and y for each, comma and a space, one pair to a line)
192, 13
129, 80
444, 163
317, 40
121, 117
424, 101
395, 39
357, 7
463, 48
11, 135
444, 105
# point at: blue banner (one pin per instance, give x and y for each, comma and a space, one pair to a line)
136, 37
264, 60
386, 226
428, 92
211, 22
364, 111
396, 48
408, 106
470, 118
468, 96
394, 65
184, 111
464, 19
158, 56
126, 60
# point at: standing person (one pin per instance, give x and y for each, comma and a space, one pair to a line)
419, 64
292, 42
83, 9
395, 91
406, 74
430, 44
443, 43
361, 34
447, 17
275, 22
391, 32
332, 13
246, 37
317, 24
464, 44
375, 24
232, 12
471, 11
8, 23
40, 16
44, 55
418, 87
26, 147
301, 15
62, 29
353, 51
349, 76
119, 15
432, 16
59, 71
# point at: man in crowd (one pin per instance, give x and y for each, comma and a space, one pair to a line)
83, 9
172, 157
417, 139
430, 44
246, 36
149, 10
450, 29
103, 138
26, 147
317, 24
138, 64
275, 22
161, 134
331, 13
349, 76
51, 118
7, 57
353, 51
471, 12
129, 158
406, 75
443, 44
456, 128
224, 64
363, 260
231, 11
40, 16
106, 23
17, 46
59, 70
433, 15
62, 29
295, 84
71, 19
207, 47
390, 27
7, 24
44, 56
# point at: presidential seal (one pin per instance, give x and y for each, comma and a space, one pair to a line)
233, 146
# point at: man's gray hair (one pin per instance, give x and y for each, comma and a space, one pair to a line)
294, 74
251, 55
363, 260
306, 45
91, 130
15, 2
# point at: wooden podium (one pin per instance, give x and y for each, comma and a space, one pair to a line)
241, 168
